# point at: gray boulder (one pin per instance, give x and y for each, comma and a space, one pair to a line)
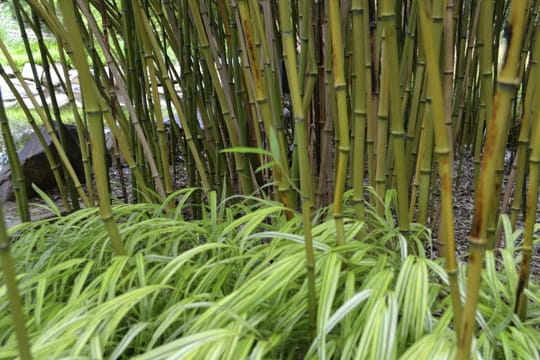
35, 166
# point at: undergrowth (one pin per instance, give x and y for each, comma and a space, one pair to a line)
232, 285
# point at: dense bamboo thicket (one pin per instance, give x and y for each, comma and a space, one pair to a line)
300, 101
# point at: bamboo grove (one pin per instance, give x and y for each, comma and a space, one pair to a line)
301, 101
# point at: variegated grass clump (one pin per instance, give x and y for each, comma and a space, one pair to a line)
232, 285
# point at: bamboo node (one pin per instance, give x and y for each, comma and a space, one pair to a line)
478, 243
386, 17
508, 85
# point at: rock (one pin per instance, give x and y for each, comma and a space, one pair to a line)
55, 79
35, 166
27, 73
9, 71
109, 147
8, 95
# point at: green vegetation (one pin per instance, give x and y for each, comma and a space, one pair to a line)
19, 120
231, 284
334, 134
10, 35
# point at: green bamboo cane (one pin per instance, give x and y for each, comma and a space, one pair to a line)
304, 164
412, 75
94, 114
162, 139
387, 18
326, 103
148, 41
485, 43
224, 98
494, 148
482, 119
415, 148
448, 78
465, 61
17, 175
524, 134
304, 34
36, 25
371, 104
359, 108
271, 76
81, 128
343, 147
210, 51
108, 27
382, 137
251, 132
39, 87
265, 101
530, 220
143, 150
533, 87
10, 280
442, 148
425, 166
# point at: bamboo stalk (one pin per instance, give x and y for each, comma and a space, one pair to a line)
387, 18
534, 180
442, 149
15, 303
360, 96
223, 97
494, 148
94, 113
343, 147
304, 164
17, 175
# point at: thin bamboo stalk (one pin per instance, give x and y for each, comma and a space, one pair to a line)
223, 97
15, 303
360, 96
269, 106
304, 164
17, 175
134, 113
534, 180
524, 134
387, 18
530, 220
442, 149
343, 147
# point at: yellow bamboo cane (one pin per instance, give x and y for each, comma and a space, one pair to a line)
442, 149
493, 150
304, 164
